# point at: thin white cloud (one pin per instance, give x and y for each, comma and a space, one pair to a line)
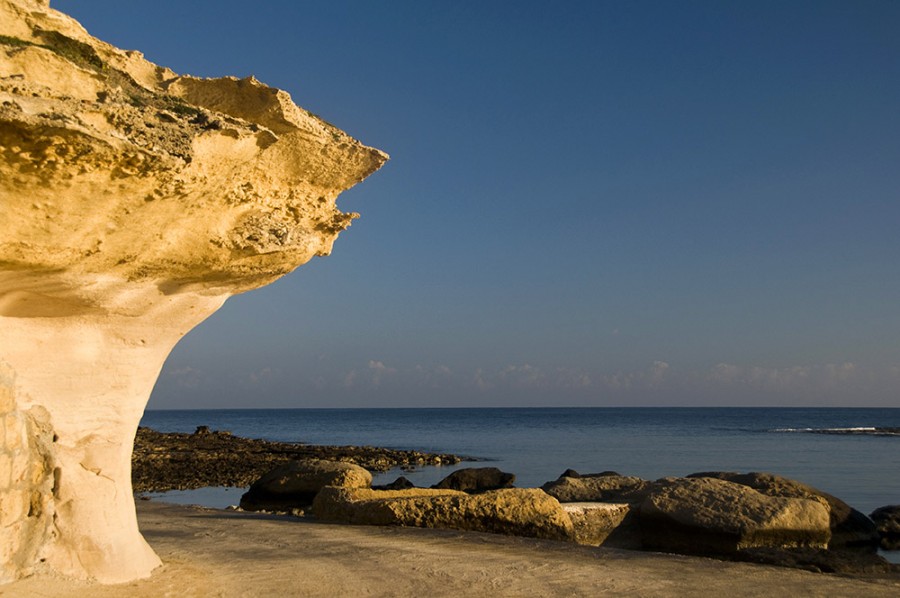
378, 372
262, 376
187, 377
791, 378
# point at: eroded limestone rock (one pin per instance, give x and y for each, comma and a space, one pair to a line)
849, 527
713, 516
133, 203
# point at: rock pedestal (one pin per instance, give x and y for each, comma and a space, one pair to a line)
133, 203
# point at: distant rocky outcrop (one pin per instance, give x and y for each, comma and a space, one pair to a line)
133, 203
164, 461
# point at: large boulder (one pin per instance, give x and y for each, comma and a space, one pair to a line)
713, 516
476, 479
296, 484
513, 511
598, 488
849, 527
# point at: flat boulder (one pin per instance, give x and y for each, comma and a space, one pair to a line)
849, 527
598, 488
476, 479
713, 516
295, 484
526, 512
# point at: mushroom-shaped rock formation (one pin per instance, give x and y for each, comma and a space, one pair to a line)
133, 203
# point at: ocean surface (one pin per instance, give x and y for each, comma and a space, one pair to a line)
537, 445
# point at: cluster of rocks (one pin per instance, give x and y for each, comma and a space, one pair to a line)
755, 517
179, 461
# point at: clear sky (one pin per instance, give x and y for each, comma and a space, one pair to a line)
588, 203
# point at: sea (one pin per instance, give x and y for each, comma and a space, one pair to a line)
848, 452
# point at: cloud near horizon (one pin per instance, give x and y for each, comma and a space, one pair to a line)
658, 376
378, 383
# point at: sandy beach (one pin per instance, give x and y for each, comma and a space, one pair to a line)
219, 553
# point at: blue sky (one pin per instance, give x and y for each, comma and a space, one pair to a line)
588, 203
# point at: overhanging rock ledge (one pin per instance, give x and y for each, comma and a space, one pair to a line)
133, 203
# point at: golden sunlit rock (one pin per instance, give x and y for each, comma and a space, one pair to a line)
133, 203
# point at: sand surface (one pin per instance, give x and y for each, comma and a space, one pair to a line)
218, 553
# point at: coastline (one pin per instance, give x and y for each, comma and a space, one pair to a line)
209, 552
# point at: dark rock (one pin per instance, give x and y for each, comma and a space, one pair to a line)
887, 519
476, 479
400, 483
295, 485
570, 473
712, 516
849, 527
201, 430
887, 522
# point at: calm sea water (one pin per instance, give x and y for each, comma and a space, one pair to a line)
539, 444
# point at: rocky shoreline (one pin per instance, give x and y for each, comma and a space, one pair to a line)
755, 517
164, 461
